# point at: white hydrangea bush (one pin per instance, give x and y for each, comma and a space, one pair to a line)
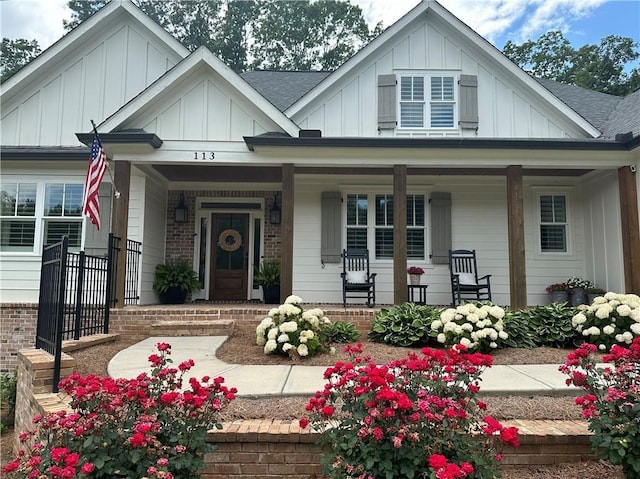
288, 330
477, 326
611, 319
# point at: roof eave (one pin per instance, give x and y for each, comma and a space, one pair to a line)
123, 137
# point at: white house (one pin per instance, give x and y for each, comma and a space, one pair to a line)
538, 177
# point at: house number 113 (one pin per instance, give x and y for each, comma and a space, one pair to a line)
204, 155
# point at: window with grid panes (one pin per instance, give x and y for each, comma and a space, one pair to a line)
427, 101
357, 212
63, 213
416, 227
553, 223
17, 216
384, 227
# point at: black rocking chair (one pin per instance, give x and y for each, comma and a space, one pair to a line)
357, 281
465, 283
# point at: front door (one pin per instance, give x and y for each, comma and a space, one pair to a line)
230, 256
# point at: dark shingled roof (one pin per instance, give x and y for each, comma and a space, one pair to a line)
625, 118
283, 88
593, 106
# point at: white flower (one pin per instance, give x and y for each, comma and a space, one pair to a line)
270, 346
619, 338
603, 312
287, 346
628, 337
594, 331
441, 338
288, 327
492, 333
602, 347
608, 329
283, 338
326, 320
458, 317
437, 324
599, 300
502, 335
499, 326
578, 319
447, 315
609, 296
467, 327
272, 334
309, 334
293, 300
474, 336
272, 312
473, 317
497, 312
450, 327
317, 312
481, 334
493, 345
624, 310
288, 309
260, 339
303, 350
332, 350
483, 312
635, 329
465, 342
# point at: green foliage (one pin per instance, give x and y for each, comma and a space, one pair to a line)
81, 10
543, 325
8, 390
595, 67
176, 274
268, 274
406, 324
15, 54
342, 332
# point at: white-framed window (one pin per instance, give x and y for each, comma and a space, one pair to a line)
369, 224
34, 214
428, 101
554, 222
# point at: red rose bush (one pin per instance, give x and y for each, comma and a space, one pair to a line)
144, 427
416, 417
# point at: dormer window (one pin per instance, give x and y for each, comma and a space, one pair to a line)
427, 101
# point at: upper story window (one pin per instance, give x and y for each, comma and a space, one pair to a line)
428, 101
553, 223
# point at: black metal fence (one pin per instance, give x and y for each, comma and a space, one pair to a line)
76, 292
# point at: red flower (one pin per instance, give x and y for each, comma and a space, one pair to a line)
437, 461
87, 468
509, 435
328, 411
304, 422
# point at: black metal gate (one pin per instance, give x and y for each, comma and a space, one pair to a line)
76, 292
51, 303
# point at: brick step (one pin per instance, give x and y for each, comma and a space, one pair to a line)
174, 327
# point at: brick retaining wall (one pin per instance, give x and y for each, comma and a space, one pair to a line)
18, 322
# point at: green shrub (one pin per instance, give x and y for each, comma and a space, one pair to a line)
550, 325
8, 389
406, 324
342, 332
521, 333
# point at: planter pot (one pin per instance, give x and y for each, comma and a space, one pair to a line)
173, 295
271, 294
559, 296
414, 278
592, 296
577, 296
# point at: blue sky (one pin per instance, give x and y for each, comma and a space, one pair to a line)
581, 21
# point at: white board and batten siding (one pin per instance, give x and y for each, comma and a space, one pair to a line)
154, 237
202, 107
90, 82
507, 108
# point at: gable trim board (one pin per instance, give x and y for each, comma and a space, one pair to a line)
434, 8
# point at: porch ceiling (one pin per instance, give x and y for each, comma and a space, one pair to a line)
273, 174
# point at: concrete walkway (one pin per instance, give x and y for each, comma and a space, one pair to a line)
260, 380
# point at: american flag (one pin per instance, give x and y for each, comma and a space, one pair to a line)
95, 172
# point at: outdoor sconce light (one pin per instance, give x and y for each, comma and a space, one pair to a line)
182, 212
275, 213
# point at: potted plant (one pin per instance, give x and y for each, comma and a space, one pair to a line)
414, 274
578, 290
268, 276
593, 293
559, 292
174, 280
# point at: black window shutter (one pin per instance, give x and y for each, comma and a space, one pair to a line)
331, 247
386, 102
440, 227
468, 102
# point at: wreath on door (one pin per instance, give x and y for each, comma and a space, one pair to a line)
230, 240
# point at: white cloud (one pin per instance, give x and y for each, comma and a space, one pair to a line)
39, 19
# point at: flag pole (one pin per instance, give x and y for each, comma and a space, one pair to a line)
116, 192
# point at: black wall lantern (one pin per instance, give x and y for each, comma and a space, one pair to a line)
182, 212
275, 213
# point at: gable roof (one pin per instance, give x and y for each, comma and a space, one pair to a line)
625, 117
83, 32
202, 56
434, 8
283, 88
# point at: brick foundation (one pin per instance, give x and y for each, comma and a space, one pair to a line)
18, 322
